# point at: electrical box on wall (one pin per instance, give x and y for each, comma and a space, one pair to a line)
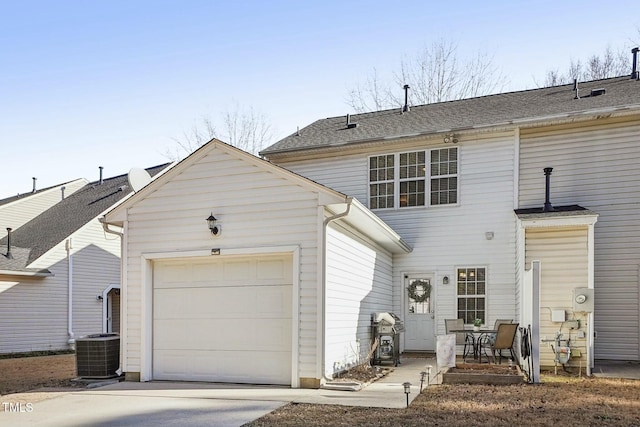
557, 315
583, 300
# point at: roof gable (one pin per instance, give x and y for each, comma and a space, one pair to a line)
116, 215
333, 201
505, 109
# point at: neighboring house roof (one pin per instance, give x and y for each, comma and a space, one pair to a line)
512, 108
23, 196
52, 226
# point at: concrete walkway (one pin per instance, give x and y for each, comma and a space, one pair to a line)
616, 369
201, 404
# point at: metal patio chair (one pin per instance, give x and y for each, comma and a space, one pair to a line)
504, 339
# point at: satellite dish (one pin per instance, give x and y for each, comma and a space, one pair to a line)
138, 178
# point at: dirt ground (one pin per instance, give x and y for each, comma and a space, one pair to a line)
29, 373
559, 400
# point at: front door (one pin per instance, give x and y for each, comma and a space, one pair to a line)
419, 313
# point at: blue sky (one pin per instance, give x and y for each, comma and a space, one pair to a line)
86, 84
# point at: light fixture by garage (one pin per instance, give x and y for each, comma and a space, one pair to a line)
213, 227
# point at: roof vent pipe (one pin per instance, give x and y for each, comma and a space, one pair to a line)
100, 167
62, 191
634, 67
547, 204
34, 184
575, 89
406, 107
350, 124
9, 255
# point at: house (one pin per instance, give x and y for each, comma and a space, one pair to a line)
223, 259
268, 271
59, 271
463, 183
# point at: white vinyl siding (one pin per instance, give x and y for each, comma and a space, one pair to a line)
564, 266
33, 312
254, 207
447, 236
359, 283
595, 165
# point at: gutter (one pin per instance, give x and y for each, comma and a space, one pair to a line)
71, 341
44, 273
105, 227
323, 312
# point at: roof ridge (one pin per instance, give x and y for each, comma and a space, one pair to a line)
386, 110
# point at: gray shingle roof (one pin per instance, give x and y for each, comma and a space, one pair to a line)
484, 111
58, 222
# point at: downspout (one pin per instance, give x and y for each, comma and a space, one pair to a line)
105, 227
71, 341
323, 312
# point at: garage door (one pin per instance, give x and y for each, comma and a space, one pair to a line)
223, 319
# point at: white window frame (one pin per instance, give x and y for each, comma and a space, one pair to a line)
427, 179
486, 289
441, 176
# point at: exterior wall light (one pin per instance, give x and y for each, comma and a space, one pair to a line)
445, 280
211, 222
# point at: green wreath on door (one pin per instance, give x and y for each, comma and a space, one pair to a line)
412, 289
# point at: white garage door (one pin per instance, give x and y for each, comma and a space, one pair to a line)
223, 319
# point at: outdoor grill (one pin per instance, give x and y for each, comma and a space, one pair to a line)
386, 328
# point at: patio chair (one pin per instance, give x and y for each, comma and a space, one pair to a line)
492, 335
462, 338
503, 340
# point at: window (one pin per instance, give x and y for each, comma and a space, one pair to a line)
412, 179
444, 176
381, 176
400, 180
472, 286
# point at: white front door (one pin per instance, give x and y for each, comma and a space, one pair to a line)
420, 313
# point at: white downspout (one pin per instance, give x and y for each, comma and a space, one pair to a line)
71, 341
323, 311
105, 227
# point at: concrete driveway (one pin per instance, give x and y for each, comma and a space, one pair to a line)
102, 408
199, 404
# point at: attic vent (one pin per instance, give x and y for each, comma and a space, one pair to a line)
598, 92
350, 124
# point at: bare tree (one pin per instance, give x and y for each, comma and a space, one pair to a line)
435, 74
244, 128
608, 64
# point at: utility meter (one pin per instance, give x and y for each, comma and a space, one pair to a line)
583, 300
